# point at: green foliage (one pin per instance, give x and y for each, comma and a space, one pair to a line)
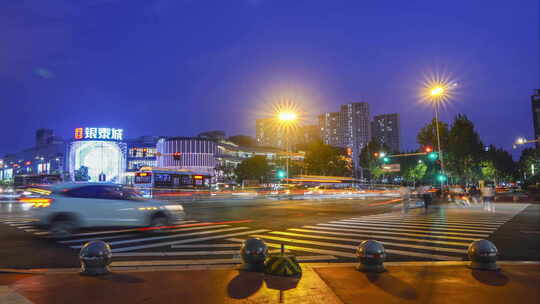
415, 173
254, 168
243, 140
428, 135
464, 150
498, 165
371, 162
323, 159
529, 158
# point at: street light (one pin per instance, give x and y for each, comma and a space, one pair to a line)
523, 140
287, 118
437, 94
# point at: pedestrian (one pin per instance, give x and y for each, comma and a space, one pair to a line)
474, 194
405, 194
488, 194
426, 195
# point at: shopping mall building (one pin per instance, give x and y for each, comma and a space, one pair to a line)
98, 154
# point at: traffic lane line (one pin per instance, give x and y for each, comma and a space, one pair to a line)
195, 225
375, 226
425, 221
138, 234
415, 225
427, 235
402, 245
371, 236
154, 245
440, 218
478, 236
171, 236
182, 253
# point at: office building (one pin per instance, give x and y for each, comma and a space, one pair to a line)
330, 129
535, 102
385, 129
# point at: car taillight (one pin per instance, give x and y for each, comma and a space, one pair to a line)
36, 202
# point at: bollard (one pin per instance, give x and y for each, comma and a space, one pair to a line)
371, 255
95, 257
253, 252
483, 255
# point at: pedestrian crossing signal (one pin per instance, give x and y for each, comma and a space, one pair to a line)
433, 156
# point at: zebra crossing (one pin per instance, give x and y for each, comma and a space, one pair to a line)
443, 235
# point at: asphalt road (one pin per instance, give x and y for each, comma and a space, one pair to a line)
325, 230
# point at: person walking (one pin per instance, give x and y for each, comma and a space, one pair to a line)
488, 194
405, 194
426, 195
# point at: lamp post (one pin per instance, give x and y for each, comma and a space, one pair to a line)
287, 119
437, 94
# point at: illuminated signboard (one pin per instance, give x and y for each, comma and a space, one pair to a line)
99, 133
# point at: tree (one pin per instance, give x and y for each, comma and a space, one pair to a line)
323, 159
428, 135
497, 165
529, 163
464, 151
243, 140
254, 168
416, 173
369, 161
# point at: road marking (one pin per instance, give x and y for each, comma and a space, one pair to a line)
31, 230
187, 241
207, 246
371, 236
309, 258
430, 248
415, 225
24, 227
170, 236
428, 222
138, 234
9, 296
304, 249
393, 233
409, 230
443, 219
376, 226
42, 233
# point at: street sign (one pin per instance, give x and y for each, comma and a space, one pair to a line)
391, 167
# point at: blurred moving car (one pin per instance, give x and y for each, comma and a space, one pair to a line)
64, 208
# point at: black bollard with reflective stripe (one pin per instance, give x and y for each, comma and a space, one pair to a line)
95, 258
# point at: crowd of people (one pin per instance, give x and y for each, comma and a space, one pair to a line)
464, 196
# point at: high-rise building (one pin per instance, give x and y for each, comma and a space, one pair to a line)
348, 128
356, 127
386, 130
330, 128
535, 101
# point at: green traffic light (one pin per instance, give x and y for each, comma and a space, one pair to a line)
386, 159
433, 156
441, 177
281, 174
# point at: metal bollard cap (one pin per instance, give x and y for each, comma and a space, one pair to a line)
254, 251
95, 257
371, 255
483, 255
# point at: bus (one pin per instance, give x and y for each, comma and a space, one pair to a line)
21, 181
151, 181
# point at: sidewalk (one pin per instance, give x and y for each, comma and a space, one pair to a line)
418, 282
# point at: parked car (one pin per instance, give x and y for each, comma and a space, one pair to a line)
71, 206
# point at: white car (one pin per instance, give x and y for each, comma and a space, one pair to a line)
67, 207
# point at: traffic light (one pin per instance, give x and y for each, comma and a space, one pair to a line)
386, 159
428, 149
433, 156
441, 177
280, 174
176, 155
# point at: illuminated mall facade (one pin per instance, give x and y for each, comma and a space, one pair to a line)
104, 154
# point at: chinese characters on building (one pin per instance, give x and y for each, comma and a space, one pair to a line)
99, 133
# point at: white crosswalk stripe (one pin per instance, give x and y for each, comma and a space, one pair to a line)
442, 236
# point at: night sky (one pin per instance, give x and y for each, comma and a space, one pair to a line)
172, 67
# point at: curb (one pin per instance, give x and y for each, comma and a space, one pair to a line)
234, 267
